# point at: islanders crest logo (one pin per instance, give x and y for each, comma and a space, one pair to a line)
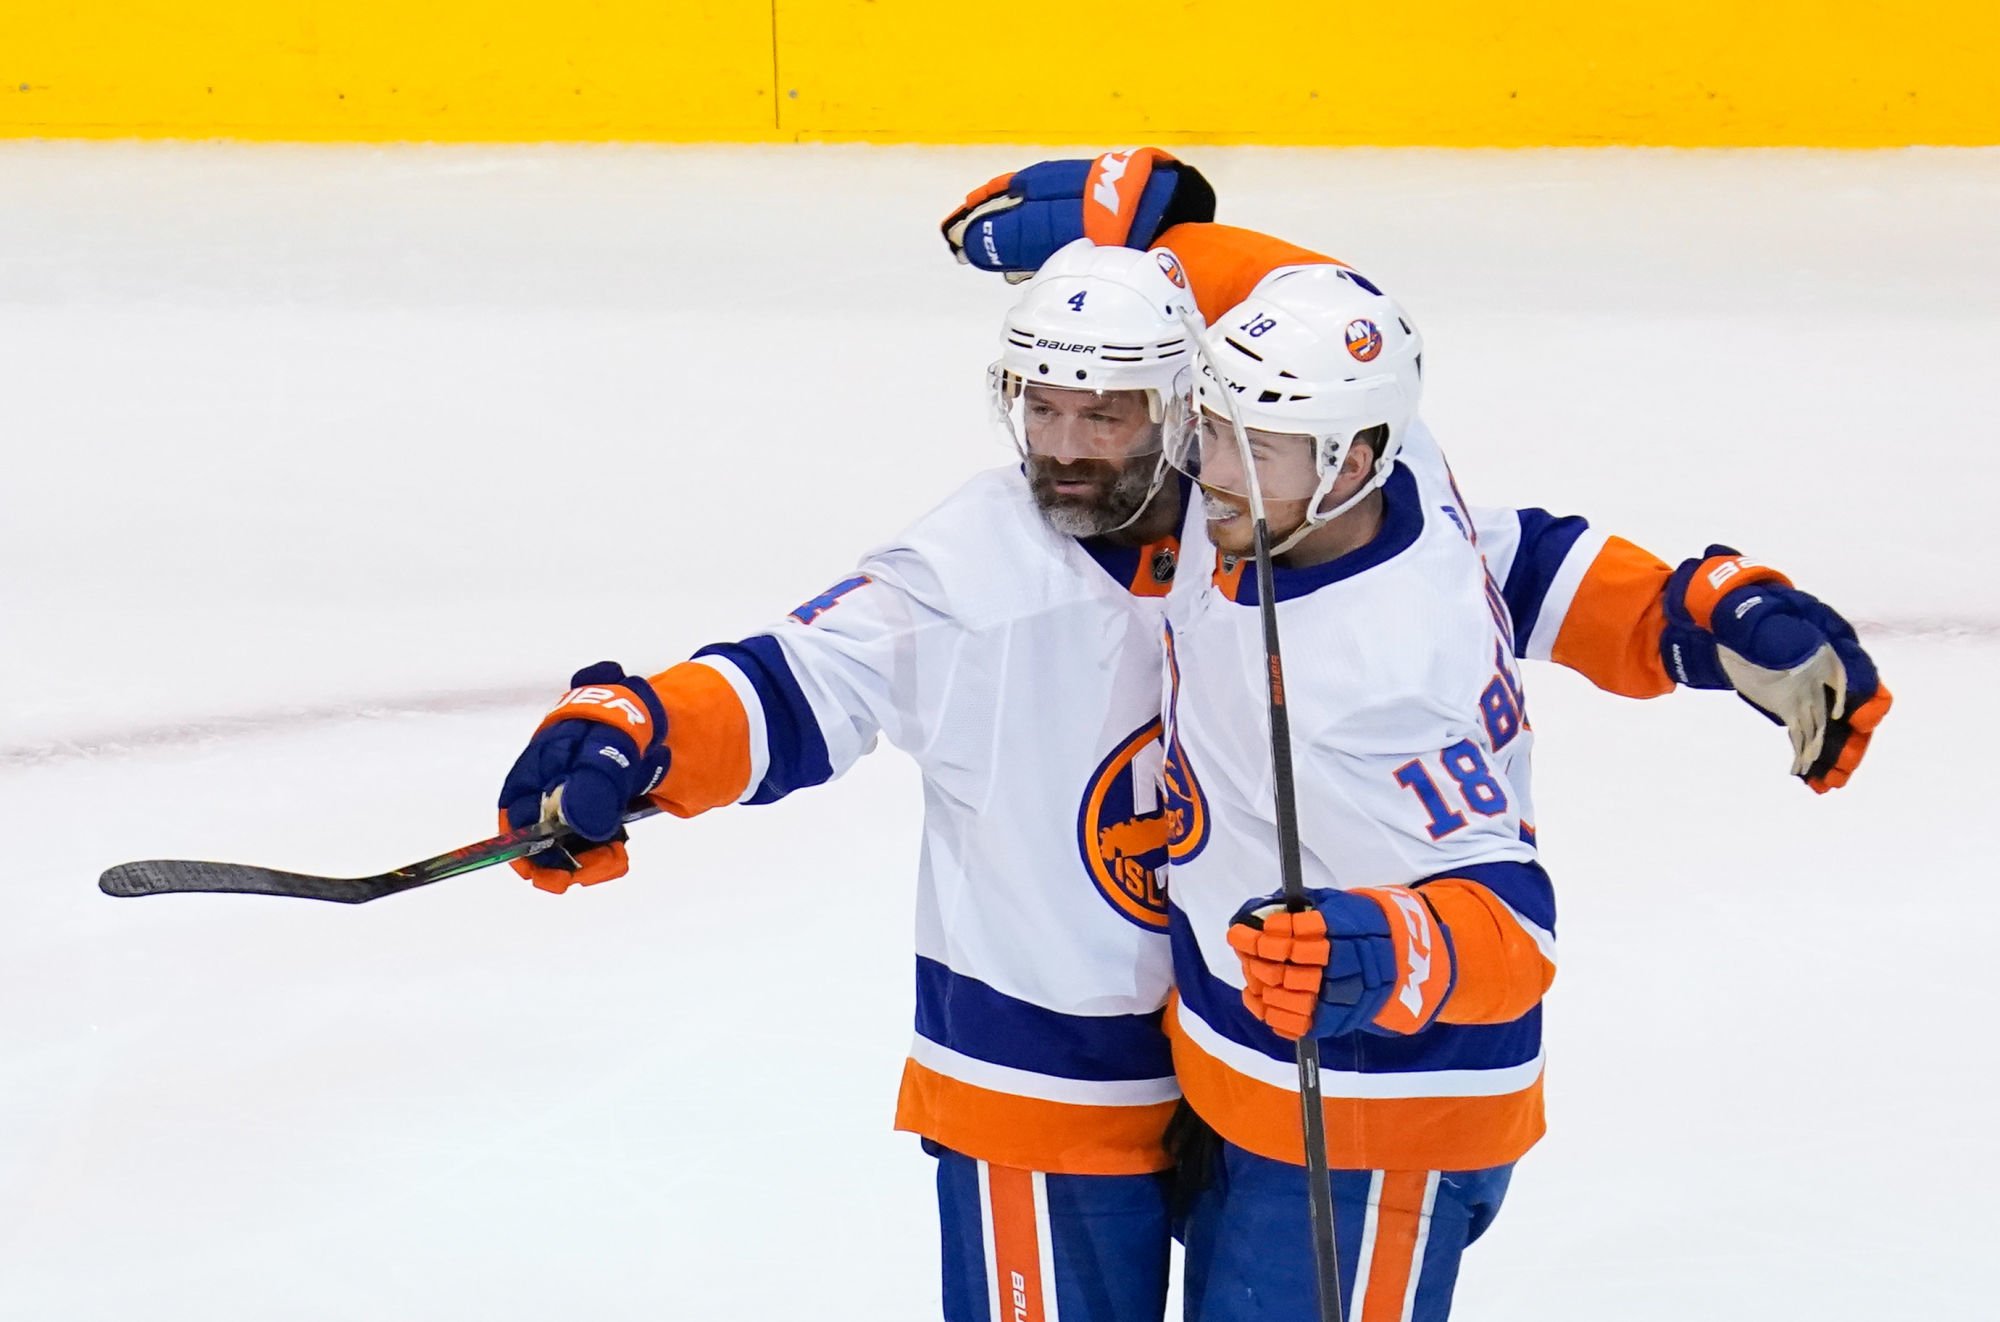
1364, 339
1122, 829
1142, 809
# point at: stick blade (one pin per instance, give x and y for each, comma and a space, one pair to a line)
180, 876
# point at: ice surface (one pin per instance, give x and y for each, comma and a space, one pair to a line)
323, 467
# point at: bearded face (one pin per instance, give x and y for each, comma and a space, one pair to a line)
1092, 456
1087, 497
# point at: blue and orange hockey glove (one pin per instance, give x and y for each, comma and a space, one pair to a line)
601, 748
1373, 960
1014, 222
1735, 624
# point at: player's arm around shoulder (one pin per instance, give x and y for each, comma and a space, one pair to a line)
1137, 198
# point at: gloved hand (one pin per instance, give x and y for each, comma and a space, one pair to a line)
1733, 623
1373, 960
601, 748
1015, 222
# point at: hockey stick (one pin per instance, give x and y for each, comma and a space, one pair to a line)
1291, 871
171, 876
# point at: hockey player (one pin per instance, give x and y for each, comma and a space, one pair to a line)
1008, 641
1429, 938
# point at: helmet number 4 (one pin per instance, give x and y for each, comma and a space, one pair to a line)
1076, 301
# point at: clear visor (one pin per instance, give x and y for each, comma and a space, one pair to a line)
1287, 467
1067, 425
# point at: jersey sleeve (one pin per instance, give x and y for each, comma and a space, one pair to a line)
1579, 597
1500, 920
1224, 263
754, 720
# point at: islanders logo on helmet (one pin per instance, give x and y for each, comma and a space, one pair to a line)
1364, 339
1170, 266
1121, 829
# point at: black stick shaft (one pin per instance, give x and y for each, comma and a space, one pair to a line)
1291, 872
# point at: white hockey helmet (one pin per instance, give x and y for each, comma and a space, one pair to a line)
1316, 351
1100, 320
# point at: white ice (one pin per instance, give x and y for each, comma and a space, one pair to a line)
323, 467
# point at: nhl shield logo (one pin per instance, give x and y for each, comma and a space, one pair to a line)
1364, 339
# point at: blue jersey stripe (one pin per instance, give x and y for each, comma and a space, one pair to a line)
799, 758
975, 1020
1524, 886
1545, 542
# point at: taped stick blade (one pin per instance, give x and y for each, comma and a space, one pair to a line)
179, 876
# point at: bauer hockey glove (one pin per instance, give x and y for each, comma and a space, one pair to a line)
1015, 222
1374, 960
1733, 623
602, 747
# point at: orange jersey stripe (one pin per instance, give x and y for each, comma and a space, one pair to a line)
1502, 973
708, 733
1224, 263
1611, 634
1398, 1211
1399, 1133
1028, 1132
1017, 1254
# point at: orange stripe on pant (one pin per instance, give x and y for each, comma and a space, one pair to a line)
1396, 1133
1398, 1212
1061, 1137
1017, 1251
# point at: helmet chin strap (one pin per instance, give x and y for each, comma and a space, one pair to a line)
1315, 521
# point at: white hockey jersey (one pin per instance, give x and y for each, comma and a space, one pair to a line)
1411, 748
1022, 670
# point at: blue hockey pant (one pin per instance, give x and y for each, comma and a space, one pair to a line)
1026, 1246
1249, 1245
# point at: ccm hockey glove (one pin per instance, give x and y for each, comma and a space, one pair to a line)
1733, 623
601, 748
1015, 222
1375, 960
